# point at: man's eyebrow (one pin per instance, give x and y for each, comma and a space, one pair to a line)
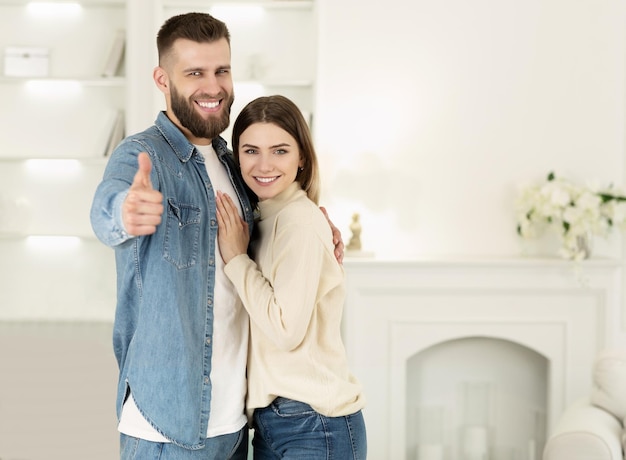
219, 68
204, 69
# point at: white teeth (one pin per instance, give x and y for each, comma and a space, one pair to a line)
265, 179
208, 105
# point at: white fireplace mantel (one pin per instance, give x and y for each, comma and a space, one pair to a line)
563, 311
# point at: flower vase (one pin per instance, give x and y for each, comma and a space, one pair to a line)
583, 245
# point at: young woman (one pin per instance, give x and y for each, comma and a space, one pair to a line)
302, 401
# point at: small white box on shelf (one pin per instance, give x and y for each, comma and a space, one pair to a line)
22, 61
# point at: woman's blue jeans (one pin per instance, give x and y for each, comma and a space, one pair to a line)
288, 429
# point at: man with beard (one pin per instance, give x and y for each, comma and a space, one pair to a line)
180, 334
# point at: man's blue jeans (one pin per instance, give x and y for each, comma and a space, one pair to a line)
226, 447
288, 429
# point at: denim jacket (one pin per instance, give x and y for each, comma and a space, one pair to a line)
165, 281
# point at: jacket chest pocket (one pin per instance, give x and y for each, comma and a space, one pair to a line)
182, 234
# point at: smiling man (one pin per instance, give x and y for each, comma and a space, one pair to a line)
180, 333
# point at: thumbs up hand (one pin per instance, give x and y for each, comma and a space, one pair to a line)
142, 178
143, 207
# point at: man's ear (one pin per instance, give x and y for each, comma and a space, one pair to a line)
161, 79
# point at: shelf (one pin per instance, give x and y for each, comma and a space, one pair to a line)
86, 3
116, 82
96, 161
4, 236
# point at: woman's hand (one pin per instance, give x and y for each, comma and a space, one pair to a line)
233, 236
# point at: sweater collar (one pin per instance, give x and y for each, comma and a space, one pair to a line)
272, 206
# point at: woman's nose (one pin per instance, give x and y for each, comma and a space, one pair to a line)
265, 163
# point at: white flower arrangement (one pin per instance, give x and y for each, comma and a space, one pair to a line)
576, 213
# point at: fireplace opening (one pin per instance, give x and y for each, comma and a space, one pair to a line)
476, 398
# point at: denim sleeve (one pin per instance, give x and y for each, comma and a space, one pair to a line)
106, 208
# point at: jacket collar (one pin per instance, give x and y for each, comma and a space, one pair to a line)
181, 146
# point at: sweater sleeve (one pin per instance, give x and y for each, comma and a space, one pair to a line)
280, 300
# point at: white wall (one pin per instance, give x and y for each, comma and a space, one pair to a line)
430, 114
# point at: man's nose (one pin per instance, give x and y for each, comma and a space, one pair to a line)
211, 85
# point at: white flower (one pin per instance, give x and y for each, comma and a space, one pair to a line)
575, 212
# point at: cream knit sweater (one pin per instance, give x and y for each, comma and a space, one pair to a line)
294, 294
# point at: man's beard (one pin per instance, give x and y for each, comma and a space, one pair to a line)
202, 128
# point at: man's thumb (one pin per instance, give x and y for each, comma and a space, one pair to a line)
142, 178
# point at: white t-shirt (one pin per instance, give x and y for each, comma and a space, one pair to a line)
230, 343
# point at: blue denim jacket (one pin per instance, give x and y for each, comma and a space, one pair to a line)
165, 281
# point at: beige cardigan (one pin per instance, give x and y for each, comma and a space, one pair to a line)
295, 298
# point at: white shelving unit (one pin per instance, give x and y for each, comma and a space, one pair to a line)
54, 132
66, 115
